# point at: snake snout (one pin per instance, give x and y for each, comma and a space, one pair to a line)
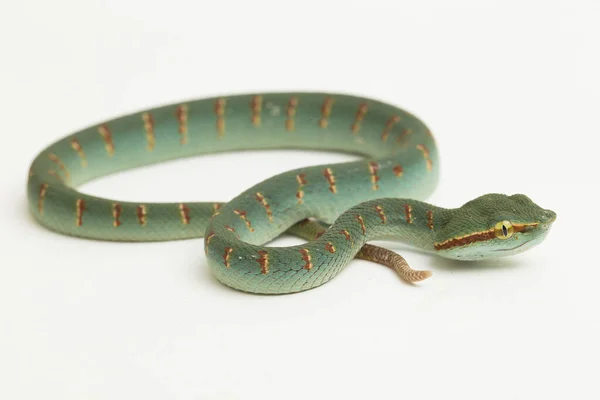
548, 217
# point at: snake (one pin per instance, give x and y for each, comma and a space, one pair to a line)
338, 208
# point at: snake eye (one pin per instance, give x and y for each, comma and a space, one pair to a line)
504, 230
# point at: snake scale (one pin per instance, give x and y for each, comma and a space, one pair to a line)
344, 205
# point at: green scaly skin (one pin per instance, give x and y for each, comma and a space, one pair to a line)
361, 200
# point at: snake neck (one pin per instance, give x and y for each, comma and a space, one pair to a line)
243, 264
403, 220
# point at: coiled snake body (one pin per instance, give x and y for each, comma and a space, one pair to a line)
374, 198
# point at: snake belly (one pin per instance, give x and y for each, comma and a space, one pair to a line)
399, 159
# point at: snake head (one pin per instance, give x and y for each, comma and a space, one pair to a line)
493, 225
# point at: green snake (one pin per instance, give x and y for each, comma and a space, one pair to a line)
338, 207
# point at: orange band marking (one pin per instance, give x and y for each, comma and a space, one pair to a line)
388, 127
379, 210
346, 234
263, 260
220, 112
42, 196
229, 228
425, 152
55, 174
79, 209
408, 213
142, 214
328, 174
330, 247
184, 213
54, 158
149, 128
307, 259
227, 255
430, 219
466, 239
291, 113
77, 147
477, 237
360, 115
116, 214
373, 168
182, 118
405, 133
398, 171
216, 207
256, 107
326, 111
107, 137
521, 227
360, 220
243, 215
263, 201
301, 179
207, 241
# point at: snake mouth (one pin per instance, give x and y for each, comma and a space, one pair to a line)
532, 242
514, 248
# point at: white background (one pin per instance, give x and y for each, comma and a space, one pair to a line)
512, 93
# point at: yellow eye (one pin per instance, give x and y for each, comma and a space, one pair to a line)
504, 230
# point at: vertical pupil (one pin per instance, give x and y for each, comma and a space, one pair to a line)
504, 230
